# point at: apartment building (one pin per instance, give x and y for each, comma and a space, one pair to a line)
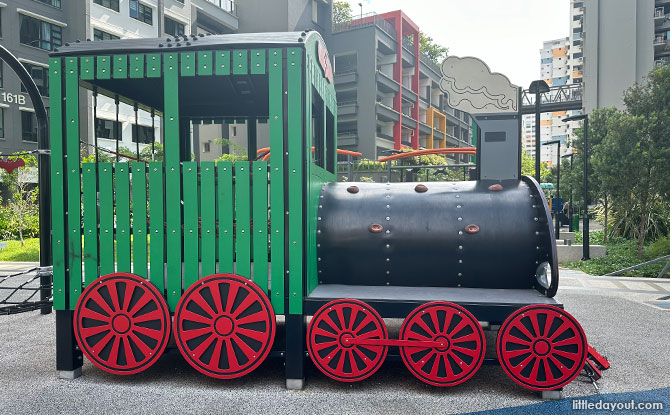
388, 92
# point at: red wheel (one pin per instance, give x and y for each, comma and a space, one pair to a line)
224, 326
122, 323
461, 334
541, 347
345, 319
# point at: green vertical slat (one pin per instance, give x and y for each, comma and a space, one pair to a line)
172, 178
188, 64
205, 62
57, 201
208, 218
156, 226
295, 179
137, 66
87, 67
106, 196
242, 220
224, 193
122, 208
153, 65
191, 257
258, 61
260, 221
222, 62
240, 62
103, 67
120, 66
276, 120
139, 194
73, 177
90, 205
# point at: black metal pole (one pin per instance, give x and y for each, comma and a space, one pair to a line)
558, 191
585, 225
43, 173
570, 228
537, 135
153, 136
116, 127
137, 133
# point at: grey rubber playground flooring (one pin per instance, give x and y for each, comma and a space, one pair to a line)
620, 324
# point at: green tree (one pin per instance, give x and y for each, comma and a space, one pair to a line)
434, 51
341, 13
528, 168
22, 204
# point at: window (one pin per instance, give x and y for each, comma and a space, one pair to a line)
141, 12
206, 147
100, 35
144, 133
173, 27
330, 141
53, 3
40, 75
2, 122
1, 81
577, 55
43, 35
318, 150
28, 126
577, 81
110, 4
107, 129
578, 4
576, 43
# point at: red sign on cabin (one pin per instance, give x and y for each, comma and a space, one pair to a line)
325, 62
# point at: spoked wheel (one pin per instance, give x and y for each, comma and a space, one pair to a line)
462, 343
224, 326
122, 323
541, 347
332, 328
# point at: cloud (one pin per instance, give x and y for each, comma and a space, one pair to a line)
472, 87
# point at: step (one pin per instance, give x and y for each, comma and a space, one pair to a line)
572, 253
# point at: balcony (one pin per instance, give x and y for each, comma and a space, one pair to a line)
347, 108
659, 15
345, 77
438, 135
408, 94
386, 84
423, 58
662, 62
368, 19
385, 113
223, 11
408, 121
347, 138
425, 128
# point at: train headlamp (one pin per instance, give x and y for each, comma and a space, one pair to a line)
543, 274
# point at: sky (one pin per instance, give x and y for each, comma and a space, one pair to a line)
506, 34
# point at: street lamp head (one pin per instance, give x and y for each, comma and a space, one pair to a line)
575, 118
538, 87
548, 143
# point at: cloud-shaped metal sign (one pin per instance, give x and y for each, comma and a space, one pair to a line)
472, 87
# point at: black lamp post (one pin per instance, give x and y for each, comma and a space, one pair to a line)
585, 224
537, 88
361, 6
570, 206
558, 182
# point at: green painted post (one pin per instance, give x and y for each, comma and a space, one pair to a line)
139, 190
208, 217
242, 220
205, 63
172, 178
106, 199
276, 121
157, 226
222, 62
260, 222
57, 199
191, 215
122, 207
120, 66
295, 179
225, 196
87, 67
240, 62
73, 177
103, 70
137, 66
90, 207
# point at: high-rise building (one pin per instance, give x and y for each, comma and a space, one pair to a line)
388, 92
623, 40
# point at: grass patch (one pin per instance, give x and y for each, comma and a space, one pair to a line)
621, 253
15, 252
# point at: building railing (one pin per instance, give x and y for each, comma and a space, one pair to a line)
368, 19
659, 38
348, 102
429, 62
659, 12
662, 61
407, 42
228, 5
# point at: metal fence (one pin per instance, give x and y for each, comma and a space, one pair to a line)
26, 291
